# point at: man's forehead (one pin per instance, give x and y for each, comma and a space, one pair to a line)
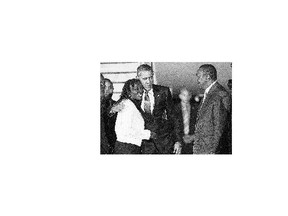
145, 74
184, 91
199, 72
185, 94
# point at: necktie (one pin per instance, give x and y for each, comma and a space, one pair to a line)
205, 94
186, 119
147, 103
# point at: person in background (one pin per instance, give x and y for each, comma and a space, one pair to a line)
185, 115
213, 120
109, 120
108, 90
130, 125
157, 106
102, 87
229, 84
104, 144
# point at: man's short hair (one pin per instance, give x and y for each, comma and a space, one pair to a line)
144, 67
209, 70
108, 80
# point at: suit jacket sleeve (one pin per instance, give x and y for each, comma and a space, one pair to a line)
171, 115
178, 119
169, 106
219, 120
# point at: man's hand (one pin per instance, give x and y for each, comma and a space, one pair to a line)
153, 135
188, 138
177, 148
117, 108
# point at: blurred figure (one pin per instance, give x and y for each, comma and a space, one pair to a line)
109, 88
104, 146
130, 125
213, 120
108, 119
102, 87
185, 115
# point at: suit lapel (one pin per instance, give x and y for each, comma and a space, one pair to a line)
180, 116
156, 92
207, 99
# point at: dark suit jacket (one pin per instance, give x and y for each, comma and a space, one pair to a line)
213, 124
179, 125
162, 120
104, 144
110, 123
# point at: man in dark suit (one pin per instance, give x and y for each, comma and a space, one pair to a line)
185, 115
158, 110
109, 120
104, 144
213, 124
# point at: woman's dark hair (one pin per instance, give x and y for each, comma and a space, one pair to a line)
126, 90
126, 94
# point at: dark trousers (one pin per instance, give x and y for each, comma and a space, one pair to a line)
148, 147
187, 148
126, 148
156, 147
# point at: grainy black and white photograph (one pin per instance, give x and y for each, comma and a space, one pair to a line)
165, 70
166, 107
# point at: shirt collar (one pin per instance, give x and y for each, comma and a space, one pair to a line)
209, 87
150, 91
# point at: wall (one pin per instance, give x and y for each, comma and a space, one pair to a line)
182, 74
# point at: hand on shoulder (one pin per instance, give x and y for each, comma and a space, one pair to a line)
117, 107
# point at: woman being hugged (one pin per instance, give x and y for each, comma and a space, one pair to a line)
130, 126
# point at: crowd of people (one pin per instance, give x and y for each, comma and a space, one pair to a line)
145, 119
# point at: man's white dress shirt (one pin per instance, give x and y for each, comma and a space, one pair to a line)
151, 98
208, 89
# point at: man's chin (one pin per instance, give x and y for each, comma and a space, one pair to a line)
148, 88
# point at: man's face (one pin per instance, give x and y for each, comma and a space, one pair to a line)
202, 79
146, 78
136, 92
102, 87
185, 96
108, 89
